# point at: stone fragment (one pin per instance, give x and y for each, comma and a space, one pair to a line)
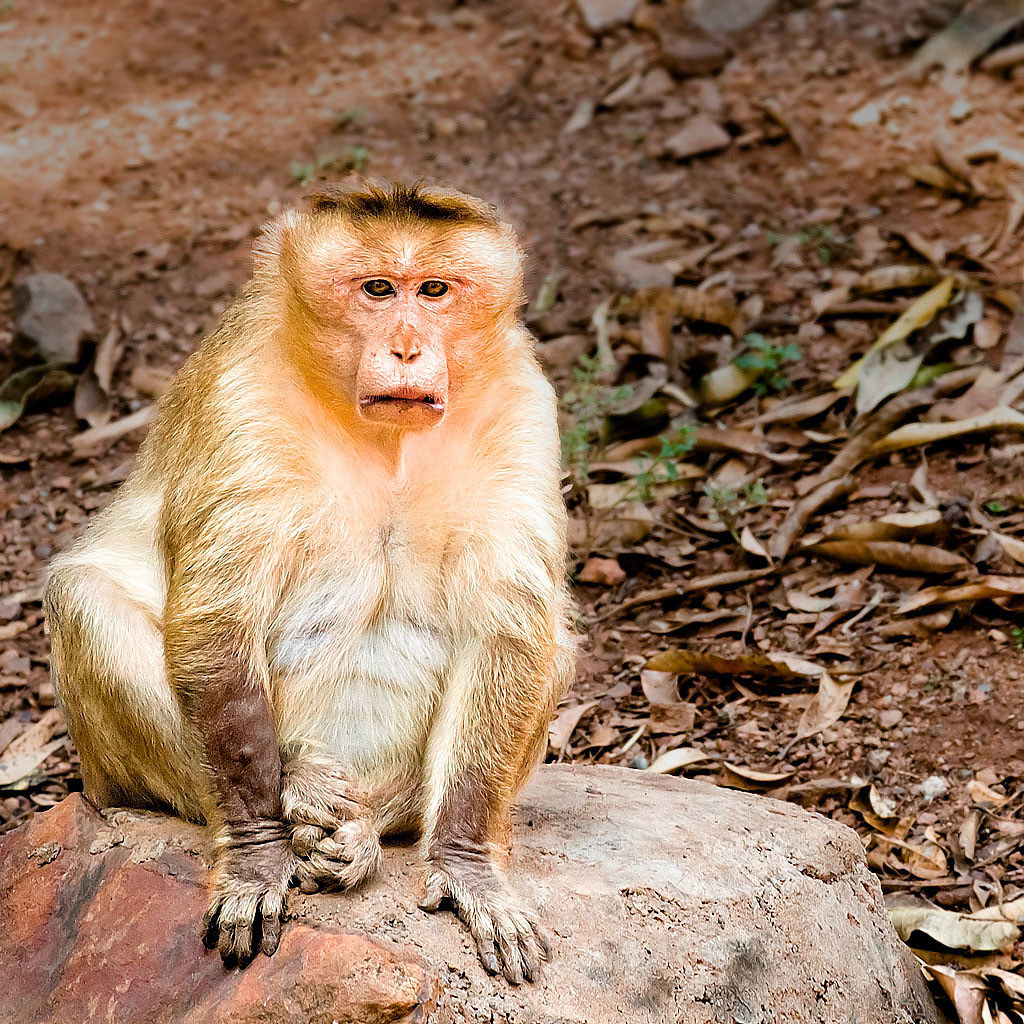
684, 48
666, 900
602, 15
724, 16
51, 318
604, 571
699, 134
890, 718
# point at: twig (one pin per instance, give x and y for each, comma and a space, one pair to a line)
836, 478
721, 579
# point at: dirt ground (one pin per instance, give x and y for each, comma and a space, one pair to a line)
143, 143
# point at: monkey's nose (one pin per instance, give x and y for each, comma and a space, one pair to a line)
405, 353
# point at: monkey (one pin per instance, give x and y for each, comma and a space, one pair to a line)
329, 604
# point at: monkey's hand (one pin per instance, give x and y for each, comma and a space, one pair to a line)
247, 903
331, 831
507, 938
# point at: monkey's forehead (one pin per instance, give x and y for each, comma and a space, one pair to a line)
467, 251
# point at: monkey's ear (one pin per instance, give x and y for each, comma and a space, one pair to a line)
273, 243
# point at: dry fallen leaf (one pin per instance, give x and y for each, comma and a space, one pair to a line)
920, 312
565, 722
950, 929
681, 757
912, 435
752, 545
979, 589
965, 991
826, 708
26, 753
740, 777
917, 558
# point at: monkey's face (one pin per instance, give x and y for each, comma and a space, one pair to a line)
402, 372
405, 314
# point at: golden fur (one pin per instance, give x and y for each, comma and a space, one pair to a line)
398, 597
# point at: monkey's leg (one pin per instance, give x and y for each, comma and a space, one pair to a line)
332, 828
482, 747
108, 669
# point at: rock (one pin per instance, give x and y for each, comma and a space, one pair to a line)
605, 571
602, 15
890, 718
19, 102
699, 134
684, 48
667, 900
51, 318
722, 16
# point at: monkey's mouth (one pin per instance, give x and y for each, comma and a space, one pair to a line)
403, 406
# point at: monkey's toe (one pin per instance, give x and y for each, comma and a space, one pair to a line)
508, 941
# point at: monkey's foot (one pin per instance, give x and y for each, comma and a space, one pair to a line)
342, 859
316, 790
247, 902
507, 938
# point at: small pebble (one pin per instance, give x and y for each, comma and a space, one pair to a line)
640, 762
890, 717
932, 787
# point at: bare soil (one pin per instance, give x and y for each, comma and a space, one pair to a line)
144, 142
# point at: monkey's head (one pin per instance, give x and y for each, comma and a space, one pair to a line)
396, 297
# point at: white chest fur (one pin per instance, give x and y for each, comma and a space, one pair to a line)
359, 658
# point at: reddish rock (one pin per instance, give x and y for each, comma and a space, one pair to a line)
113, 935
667, 900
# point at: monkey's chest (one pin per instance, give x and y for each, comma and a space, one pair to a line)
357, 673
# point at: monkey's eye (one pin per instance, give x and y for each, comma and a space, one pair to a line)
433, 289
378, 288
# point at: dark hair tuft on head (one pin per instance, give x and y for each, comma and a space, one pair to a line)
402, 203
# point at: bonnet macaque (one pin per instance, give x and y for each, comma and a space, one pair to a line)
329, 604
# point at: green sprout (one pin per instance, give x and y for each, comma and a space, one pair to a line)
769, 358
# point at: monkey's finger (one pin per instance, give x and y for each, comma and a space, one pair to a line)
542, 940
530, 952
435, 894
330, 849
306, 837
226, 945
508, 945
243, 945
484, 936
270, 923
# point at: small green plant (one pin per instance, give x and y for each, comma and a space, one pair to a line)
766, 356
995, 507
349, 116
663, 466
354, 158
301, 173
1017, 632
729, 504
587, 402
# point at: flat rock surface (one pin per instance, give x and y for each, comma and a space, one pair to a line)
667, 900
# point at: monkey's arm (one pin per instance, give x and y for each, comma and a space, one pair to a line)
489, 735
218, 605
